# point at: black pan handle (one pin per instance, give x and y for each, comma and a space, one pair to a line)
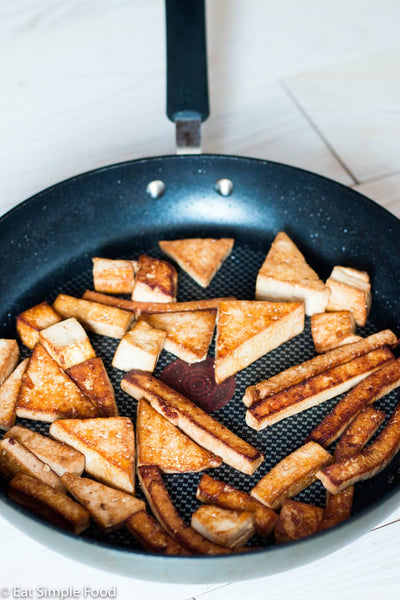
187, 82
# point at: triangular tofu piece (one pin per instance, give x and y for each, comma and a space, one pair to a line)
199, 257
47, 393
108, 446
92, 378
246, 330
285, 276
109, 508
9, 355
161, 443
9, 395
189, 333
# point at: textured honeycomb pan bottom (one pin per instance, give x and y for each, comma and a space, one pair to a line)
237, 277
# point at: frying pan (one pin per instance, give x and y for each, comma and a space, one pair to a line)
46, 244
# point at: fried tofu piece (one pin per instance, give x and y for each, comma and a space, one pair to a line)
291, 475
222, 526
285, 276
212, 491
160, 443
9, 356
47, 393
359, 432
32, 321
108, 446
200, 258
67, 342
297, 520
189, 333
114, 276
109, 508
92, 378
157, 496
14, 457
317, 365
350, 289
246, 330
194, 422
156, 281
152, 536
332, 330
60, 457
9, 395
375, 386
153, 307
104, 320
338, 506
315, 390
48, 503
140, 348
340, 475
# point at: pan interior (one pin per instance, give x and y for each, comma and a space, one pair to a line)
72, 275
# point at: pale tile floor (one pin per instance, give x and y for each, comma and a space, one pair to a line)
313, 84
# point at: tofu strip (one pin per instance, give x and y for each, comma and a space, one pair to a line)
194, 422
316, 365
377, 384
152, 307
315, 390
340, 475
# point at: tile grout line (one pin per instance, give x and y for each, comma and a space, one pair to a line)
217, 587
306, 116
378, 178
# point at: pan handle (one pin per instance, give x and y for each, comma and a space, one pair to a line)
187, 83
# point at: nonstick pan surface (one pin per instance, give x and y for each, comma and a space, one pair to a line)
47, 243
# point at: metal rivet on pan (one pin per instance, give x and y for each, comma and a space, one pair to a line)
224, 186
155, 189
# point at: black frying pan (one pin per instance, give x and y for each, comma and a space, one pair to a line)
46, 244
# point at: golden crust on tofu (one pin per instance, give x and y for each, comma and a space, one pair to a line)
104, 320
108, 445
350, 290
9, 395
212, 491
58, 456
14, 457
189, 333
194, 422
332, 330
153, 307
47, 393
317, 365
109, 508
48, 503
92, 378
156, 493
246, 330
377, 384
147, 531
140, 348
113, 276
340, 475
200, 258
67, 342
222, 526
156, 281
315, 390
285, 276
337, 508
32, 321
291, 475
297, 520
160, 443
9, 355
